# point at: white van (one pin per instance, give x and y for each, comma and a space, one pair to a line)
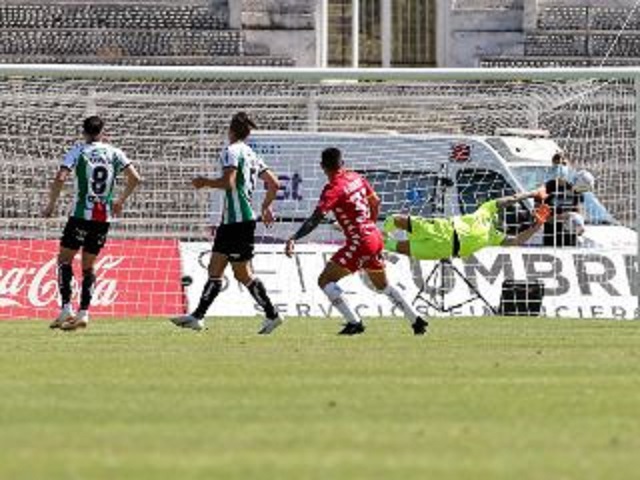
427, 175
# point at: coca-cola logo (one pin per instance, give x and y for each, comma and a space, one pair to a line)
38, 286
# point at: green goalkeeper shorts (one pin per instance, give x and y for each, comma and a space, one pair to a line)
431, 239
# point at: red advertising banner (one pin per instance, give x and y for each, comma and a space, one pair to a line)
134, 278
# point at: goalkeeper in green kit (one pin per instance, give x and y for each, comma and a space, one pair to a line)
463, 235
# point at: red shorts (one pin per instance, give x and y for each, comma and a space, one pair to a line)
361, 253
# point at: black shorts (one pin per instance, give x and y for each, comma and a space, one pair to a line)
88, 234
236, 241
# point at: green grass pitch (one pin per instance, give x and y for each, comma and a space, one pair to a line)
483, 398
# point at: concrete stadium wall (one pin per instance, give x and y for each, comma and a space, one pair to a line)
281, 27
300, 45
466, 35
470, 31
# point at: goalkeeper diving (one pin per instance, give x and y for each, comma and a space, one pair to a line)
463, 235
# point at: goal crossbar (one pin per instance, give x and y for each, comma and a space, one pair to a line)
313, 74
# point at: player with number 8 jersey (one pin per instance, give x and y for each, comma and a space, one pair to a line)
96, 165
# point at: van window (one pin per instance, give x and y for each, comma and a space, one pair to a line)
476, 186
412, 192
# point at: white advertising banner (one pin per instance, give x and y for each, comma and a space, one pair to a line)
578, 283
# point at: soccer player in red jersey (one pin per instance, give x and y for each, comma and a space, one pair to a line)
355, 206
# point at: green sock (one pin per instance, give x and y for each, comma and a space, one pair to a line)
391, 244
389, 224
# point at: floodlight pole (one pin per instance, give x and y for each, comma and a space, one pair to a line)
322, 33
355, 33
636, 282
386, 34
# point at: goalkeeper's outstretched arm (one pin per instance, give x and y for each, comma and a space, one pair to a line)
518, 197
541, 215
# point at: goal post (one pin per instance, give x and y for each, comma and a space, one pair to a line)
313, 74
433, 142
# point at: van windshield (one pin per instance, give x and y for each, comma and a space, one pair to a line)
532, 176
412, 192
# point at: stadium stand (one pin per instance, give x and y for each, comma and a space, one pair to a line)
111, 16
133, 32
579, 36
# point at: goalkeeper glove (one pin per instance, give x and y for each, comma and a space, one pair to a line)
542, 214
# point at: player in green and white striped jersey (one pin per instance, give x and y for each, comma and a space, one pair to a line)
249, 167
96, 165
235, 236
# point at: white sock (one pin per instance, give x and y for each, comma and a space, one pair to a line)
334, 293
398, 300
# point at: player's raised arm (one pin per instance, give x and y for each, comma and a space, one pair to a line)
272, 184
541, 215
133, 180
54, 190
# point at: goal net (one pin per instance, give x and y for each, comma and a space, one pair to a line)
432, 144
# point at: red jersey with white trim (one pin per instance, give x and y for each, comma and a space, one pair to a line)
346, 195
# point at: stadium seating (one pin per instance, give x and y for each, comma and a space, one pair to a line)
581, 44
579, 36
554, 61
563, 18
111, 16
221, 60
133, 33
127, 43
597, 17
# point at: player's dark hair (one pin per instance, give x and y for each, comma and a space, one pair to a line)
93, 126
331, 159
241, 125
558, 158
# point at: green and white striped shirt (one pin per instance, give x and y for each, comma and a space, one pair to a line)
96, 166
238, 199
